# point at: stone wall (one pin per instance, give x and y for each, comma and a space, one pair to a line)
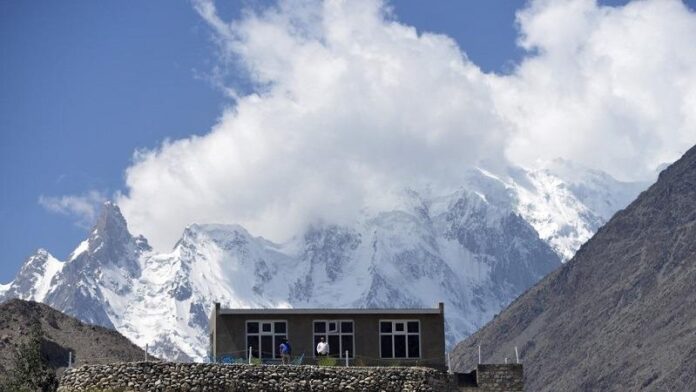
497, 378
165, 377
192, 377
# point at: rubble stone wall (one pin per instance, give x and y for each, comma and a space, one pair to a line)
500, 377
166, 377
197, 377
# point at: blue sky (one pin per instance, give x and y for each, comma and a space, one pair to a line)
85, 84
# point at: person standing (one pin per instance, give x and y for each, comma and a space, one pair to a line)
322, 348
285, 351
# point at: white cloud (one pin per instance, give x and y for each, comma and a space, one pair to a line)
614, 88
352, 104
83, 208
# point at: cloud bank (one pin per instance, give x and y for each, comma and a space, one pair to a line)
350, 105
613, 88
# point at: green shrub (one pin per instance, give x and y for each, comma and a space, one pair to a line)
327, 361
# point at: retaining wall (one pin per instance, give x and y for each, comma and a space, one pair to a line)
192, 377
165, 377
495, 378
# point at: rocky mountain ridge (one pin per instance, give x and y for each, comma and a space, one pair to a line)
475, 248
619, 315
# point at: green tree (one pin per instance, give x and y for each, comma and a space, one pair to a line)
30, 372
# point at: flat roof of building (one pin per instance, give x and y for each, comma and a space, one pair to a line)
332, 311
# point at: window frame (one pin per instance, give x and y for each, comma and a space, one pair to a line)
261, 333
405, 333
338, 333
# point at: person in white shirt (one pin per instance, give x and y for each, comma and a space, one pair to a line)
322, 348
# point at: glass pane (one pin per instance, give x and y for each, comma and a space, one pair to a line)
399, 346
334, 345
386, 344
333, 327
253, 342
412, 326
319, 326
267, 346
266, 327
399, 327
413, 346
347, 345
252, 327
385, 326
347, 327
280, 327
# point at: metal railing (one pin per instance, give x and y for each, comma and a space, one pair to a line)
346, 359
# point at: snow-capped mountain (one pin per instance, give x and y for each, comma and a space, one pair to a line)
566, 203
475, 248
34, 279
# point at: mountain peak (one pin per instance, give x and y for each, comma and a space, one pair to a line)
110, 217
37, 260
110, 236
110, 224
35, 277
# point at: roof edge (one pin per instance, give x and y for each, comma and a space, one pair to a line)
330, 311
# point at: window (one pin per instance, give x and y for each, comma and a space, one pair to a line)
399, 338
339, 335
264, 337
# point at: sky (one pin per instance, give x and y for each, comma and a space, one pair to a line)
259, 113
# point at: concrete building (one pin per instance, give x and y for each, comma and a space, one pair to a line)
408, 337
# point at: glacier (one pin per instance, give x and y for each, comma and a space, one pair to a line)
475, 248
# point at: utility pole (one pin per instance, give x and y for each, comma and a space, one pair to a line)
517, 355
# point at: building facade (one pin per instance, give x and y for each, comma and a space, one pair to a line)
366, 337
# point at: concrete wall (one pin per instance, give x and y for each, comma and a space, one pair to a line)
229, 332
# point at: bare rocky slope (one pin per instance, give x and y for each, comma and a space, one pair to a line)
89, 344
620, 315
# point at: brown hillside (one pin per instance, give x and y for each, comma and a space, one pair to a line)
619, 316
62, 333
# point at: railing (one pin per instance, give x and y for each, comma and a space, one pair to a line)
243, 357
